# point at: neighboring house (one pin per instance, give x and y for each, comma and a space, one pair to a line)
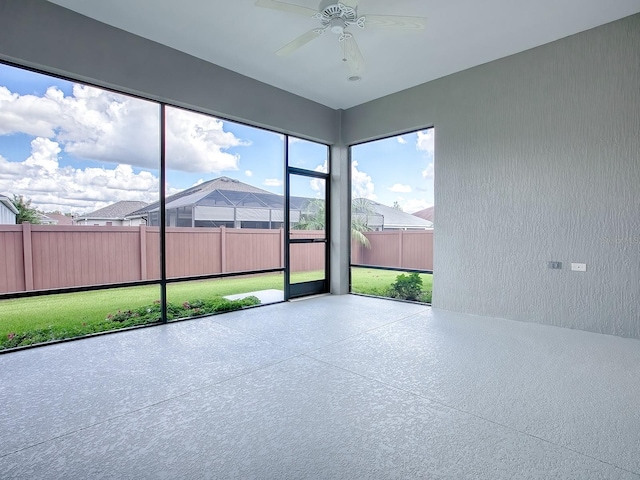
426, 214
382, 217
224, 202
227, 202
55, 219
8, 211
116, 214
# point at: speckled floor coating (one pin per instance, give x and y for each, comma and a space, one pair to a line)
342, 387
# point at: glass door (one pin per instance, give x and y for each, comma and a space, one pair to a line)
306, 248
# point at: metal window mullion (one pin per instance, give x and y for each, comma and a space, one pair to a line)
163, 215
287, 222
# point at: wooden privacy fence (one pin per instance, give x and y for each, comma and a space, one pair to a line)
43, 257
396, 248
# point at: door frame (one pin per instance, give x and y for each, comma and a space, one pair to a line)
314, 287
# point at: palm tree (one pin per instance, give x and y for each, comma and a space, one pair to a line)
361, 209
314, 218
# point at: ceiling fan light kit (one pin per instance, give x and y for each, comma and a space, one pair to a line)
337, 18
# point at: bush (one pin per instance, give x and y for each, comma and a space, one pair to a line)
152, 313
406, 287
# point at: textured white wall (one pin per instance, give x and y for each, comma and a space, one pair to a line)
537, 158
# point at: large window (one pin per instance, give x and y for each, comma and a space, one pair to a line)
224, 208
392, 221
86, 245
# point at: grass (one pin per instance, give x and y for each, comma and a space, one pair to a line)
25, 321
376, 282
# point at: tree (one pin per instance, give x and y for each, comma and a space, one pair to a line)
361, 209
314, 218
26, 213
397, 206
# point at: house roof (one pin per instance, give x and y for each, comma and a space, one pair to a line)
221, 191
426, 214
393, 218
7, 202
55, 219
225, 191
116, 210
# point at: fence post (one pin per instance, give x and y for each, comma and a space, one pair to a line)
223, 249
401, 248
143, 252
27, 252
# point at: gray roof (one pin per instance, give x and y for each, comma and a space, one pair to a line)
119, 209
197, 193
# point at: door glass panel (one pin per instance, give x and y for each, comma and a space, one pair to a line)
307, 262
307, 235
307, 207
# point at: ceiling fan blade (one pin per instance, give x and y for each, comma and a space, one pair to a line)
286, 7
355, 60
396, 22
298, 42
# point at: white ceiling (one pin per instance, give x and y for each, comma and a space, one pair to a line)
459, 34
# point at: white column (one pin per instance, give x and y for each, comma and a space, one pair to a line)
340, 202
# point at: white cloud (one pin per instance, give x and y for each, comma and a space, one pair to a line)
28, 113
108, 127
401, 140
195, 143
361, 184
413, 205
272, 182
317, 184
428, 172
292, 140
49, 186
248, 173
426, 142
399, 188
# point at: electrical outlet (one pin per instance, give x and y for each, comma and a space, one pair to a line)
554, 265
579, 267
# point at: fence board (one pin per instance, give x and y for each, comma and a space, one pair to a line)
11, 259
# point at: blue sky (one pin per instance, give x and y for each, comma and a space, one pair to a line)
75, 149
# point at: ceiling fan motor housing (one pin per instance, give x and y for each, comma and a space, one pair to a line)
336, 16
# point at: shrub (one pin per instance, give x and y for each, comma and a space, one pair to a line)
406, 287
152, 313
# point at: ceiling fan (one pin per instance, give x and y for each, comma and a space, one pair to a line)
341, 18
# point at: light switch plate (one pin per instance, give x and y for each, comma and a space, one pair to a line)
579, 267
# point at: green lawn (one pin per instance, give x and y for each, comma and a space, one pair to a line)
375, 282
48, 317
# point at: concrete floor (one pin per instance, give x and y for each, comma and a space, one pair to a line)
341, 387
